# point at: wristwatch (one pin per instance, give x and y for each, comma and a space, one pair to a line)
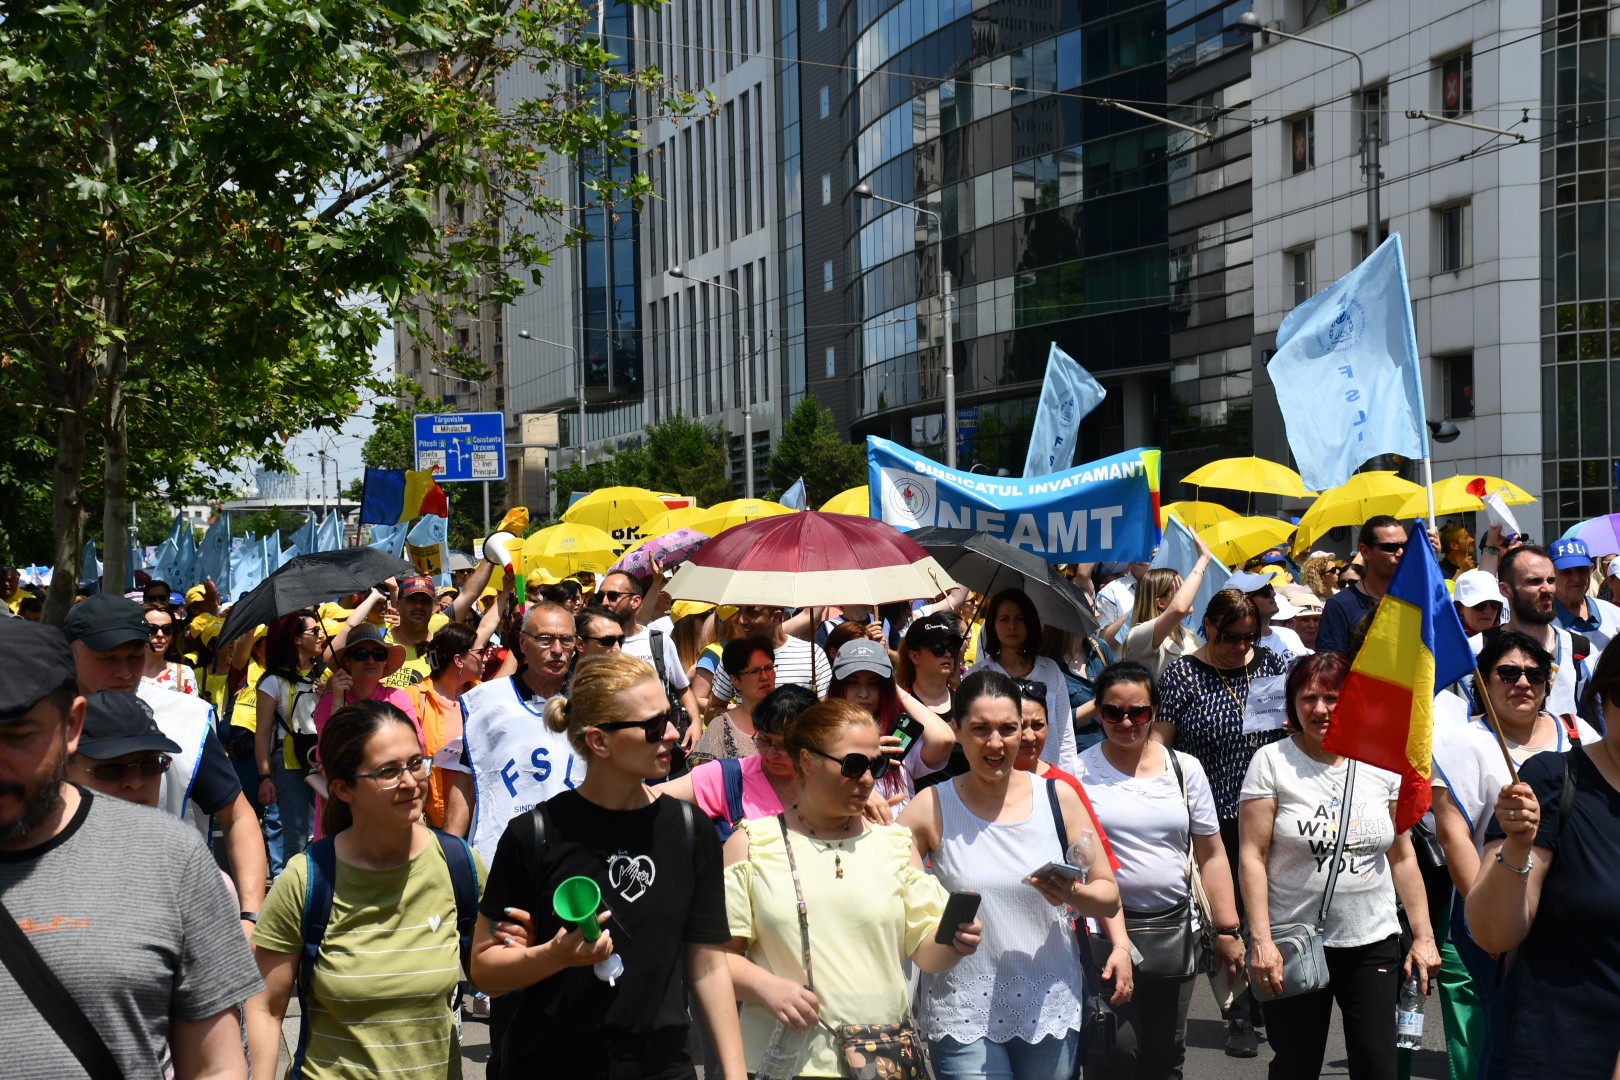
249, 916
265, 776
1231, 932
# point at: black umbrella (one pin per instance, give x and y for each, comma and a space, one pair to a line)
309, 580
985, 564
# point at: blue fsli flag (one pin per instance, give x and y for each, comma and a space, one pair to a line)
1179, 552
430, 547
1067, 395
165, 562
795, 497
304, 538
214, 558
90, 570
186, 569
1104, 510
1346, 372
389, 538
248, 566
329, 537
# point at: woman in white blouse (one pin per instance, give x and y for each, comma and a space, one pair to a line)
1012, 646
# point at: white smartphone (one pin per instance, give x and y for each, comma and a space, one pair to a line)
1060, 870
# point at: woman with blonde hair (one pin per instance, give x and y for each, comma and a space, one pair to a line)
826, 907
1163, 599
1320, 573
656, 865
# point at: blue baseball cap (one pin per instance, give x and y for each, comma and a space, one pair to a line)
1570, 554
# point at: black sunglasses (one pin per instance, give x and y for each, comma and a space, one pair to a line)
853, 766
607, 641
1229, 638
361, 654
947, 647
1391, 547
652, 727
1118, 714
613, 597
1511, 673
113, 772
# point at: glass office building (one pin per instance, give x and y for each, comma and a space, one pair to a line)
1047, 211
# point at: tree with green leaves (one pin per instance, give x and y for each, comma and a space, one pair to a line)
812, 447
680, 455
209, 209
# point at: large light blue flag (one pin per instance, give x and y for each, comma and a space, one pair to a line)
329, 537
248, 566
186, 569
429, 540
795, 497
1346, 372
165, 562
133, 561
1067, 395
304, 538
214, 559
389, 538
1179, 551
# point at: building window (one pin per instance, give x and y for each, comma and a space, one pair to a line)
1456, 251
826, 103
1373, 104
1301, 266
1457, 385
826, 189
1359, 240
832, 363
821, 14
1302, 142
1457, 85
826, 276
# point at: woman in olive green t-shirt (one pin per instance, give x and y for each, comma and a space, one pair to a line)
390, 959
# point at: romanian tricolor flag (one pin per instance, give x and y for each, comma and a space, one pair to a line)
393, 496
1385, 715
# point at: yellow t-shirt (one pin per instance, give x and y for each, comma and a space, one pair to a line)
415, 668
245, 706
862, 926
388, 963
14, 601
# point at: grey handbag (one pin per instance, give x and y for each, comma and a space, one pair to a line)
1304, 962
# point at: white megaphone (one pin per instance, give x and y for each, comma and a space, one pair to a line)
496, 551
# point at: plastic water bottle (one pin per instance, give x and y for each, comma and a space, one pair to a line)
1409, 1016
784, 1053
1081, 851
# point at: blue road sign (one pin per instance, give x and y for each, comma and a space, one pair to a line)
459, 447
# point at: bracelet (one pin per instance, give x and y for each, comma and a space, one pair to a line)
1523, 872
1230, 931
249, 916
1487, 547
1122, 948
265, 776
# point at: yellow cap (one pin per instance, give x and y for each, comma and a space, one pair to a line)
207, 627
539, 579
196, 593
727, 612
682, 608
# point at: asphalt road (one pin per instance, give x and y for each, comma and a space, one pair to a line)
1206, 1046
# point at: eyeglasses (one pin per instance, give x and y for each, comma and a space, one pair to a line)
652, 727
763, 669
1393, 547
390, 777
166, 629
948, 647
1512, 673
1229, 638
363, 655
607, 641
314, 631
113, 772
546, 641
854, 766
1118, 714
768, 744
758, 612
613, 597
1269, 592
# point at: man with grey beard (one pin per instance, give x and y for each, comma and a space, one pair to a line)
120, 952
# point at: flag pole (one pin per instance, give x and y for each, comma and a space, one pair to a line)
1428, 488
1494, 724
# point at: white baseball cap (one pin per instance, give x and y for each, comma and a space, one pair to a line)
1475, 587
1613, 569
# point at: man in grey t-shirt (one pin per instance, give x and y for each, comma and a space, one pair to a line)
121, 902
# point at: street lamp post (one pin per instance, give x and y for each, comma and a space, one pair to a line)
579, 439
864, 190
1249, 22
747, 382
443, 375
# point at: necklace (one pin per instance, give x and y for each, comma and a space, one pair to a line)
1238, 701
836, 845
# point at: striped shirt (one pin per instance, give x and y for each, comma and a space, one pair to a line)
380, 999
793, 665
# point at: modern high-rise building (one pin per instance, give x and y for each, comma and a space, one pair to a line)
1511, 305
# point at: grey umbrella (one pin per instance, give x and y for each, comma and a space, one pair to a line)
987, 564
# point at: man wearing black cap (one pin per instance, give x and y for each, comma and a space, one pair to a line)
109, 635
121, 907
122, 751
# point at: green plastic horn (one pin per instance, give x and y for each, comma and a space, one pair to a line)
576, 902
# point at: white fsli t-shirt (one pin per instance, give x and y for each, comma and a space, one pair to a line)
1309, 796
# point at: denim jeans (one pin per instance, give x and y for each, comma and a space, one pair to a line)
295, 802
1050, 1059
239, 748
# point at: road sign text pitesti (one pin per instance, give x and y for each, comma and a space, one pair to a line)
458, 447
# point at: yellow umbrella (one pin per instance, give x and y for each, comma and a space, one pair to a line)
723, 516
856, 502
686, 517
1451, 496
1363, 496
1239, 539
567, 549
618, 510
1249, 474
1196, 515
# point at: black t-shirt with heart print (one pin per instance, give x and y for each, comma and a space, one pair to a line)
665, 891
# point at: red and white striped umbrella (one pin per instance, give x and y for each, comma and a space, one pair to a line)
810, 558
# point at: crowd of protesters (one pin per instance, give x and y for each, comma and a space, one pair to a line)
940, 832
